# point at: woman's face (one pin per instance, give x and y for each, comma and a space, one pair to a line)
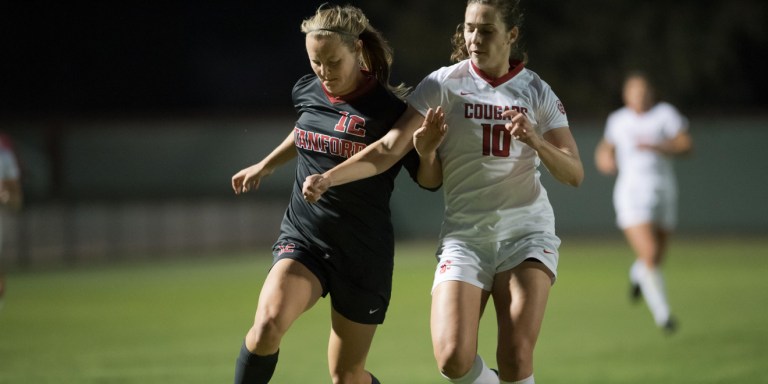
488, 42
334, 63
637, 94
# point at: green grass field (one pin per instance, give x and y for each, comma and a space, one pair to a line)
182, 321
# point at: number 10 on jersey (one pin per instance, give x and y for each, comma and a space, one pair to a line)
496, 140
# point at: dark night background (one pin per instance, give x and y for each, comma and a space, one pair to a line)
157, 104
75, 59
130, 118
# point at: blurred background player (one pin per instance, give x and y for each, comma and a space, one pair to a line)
495, 121
343, 245
10, 190
640, 140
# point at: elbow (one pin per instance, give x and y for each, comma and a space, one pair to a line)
430, 183
575, 179
432, 187
576, 182
687, 150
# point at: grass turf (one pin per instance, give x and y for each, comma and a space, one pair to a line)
182, 321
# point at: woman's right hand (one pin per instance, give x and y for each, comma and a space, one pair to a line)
249, 178
314, 187
430, 135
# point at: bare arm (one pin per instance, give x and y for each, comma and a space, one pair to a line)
10, 194
377, 158
676, 146
557, 149
426, 140
560, 155
249, 178
605, 158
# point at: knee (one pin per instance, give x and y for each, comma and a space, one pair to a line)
348, 377
266, 333
338, 378
454, 361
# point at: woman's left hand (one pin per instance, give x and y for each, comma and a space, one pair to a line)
521, 128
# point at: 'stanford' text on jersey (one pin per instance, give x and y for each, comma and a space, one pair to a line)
353, 217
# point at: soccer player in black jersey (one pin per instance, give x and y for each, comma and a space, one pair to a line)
342, 245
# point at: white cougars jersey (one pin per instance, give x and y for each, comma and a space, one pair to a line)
625, 129
645, 189
490, 181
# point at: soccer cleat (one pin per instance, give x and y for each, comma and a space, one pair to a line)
670, 326
635, 294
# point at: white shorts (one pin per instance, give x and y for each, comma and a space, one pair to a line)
478, 263
637, 206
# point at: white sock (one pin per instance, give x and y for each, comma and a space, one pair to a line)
634, 272
527, 380
652, 286
478, 374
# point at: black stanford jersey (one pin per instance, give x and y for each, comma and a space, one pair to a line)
351, 223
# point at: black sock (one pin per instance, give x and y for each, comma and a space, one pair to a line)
374, 380
254, 369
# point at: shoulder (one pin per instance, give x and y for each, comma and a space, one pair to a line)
457, 70
531, 80
441, 80
383, 96
304, 84
385, 92
618, 118
618, 114
666, 108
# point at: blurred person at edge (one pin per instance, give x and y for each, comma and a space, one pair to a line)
640, 141
10, 190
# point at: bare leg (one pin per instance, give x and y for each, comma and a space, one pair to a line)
289, 290
520, 296
455, 319
649, 244
348, 349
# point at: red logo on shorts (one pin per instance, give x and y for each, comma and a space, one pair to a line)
286, 248
445, 266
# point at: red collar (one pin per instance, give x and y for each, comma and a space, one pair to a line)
364, 87
515, 66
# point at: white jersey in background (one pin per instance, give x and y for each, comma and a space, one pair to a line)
646, 188
491, 181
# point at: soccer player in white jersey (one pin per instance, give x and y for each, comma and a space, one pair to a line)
10, 188
485, 123
639, 142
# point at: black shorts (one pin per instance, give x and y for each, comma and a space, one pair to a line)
359, 295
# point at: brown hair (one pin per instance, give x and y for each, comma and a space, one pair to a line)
511, 14
350, 24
